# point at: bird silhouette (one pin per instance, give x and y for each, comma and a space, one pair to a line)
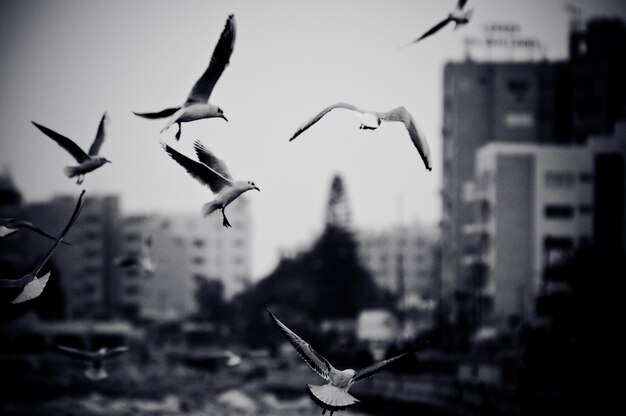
332, 396
141, 260
87, 161
93, 359
197, 105
212, 172
9, 226
459, 16
371, 120
31, 285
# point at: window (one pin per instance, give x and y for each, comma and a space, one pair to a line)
586, 177
559, 179
559, 212
199, 243
558, 243
198, 260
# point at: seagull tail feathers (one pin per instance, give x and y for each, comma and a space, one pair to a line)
331, 398
209, 207
71, 171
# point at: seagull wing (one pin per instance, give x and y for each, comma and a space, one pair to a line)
114, 352
201, 91
32, 227
205, 156
417, 137
32, 289
434, 29
102, 131
201, 172
377, 367
315, 360
321, 114
71, 147
460, 4
76, 353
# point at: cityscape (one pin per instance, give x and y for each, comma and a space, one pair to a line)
509, 301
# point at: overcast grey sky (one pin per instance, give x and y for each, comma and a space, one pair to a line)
65, 62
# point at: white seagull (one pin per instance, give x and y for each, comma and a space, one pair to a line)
371, 120
332, 396
212, 172
141, 260
87, 161
459, 16
197, 106
9, 226
93, 359
32, 286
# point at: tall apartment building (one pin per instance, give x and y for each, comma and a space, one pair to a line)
85, 270
533, 205
531, 102
185, 247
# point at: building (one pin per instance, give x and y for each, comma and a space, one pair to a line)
186, 247
533, 205
85, 269
401, 260
11, 247
523, 102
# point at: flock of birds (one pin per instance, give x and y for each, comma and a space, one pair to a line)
213, 172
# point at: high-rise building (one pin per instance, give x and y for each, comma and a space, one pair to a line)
85, 269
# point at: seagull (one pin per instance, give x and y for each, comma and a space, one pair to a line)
31, 285
87, 161
212, 172
93, 359
9, 226
371, 120
334, 395
233, 360
197, 106
458, 16
141, 260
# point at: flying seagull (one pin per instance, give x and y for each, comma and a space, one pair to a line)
371, 120
197, 106
9, 226
212, 172
141, 260
86, 161
93, 359
459, 16
334, 395
32, 286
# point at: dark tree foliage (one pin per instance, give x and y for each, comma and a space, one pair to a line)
210, 300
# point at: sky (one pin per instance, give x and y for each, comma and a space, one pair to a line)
65, 62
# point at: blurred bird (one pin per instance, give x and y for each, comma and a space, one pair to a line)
87, 161
334, 395
233, 360
458, 16
371, 120
93, 359
31, 285
213, 173
9, 226
197, 106
141, 260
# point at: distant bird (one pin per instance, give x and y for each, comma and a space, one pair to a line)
197, 106
93, 359
32, 286
459, 16
212, 172
334, 395
87, 161
141, 260
9, 226
371, 120
233, 360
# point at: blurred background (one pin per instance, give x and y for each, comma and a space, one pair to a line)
509, 257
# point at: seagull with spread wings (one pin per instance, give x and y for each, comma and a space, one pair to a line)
87, 161
197, 105
212, 172
93, 359
332, 396
9, 226
32, 286
459, 16
140, 260
371, 120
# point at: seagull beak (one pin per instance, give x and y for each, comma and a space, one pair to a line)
257, 189
108, 161
224, 117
